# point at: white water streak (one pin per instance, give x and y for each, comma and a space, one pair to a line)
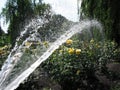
13, 59
75, 29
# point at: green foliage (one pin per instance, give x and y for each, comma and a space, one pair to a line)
78, 70
4, 46
4, 51
54, 28
19, 12
16, 11
104, 11
98, 10
4, 40
116, 87
41, 8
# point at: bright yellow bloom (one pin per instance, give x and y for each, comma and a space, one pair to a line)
69, 41
60, 51
98, 46
28, 44
46, 43
113, 43
78, 51
5, 47
2, 52
91, 41
71, 50
78, 72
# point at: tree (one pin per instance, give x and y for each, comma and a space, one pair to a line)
107, 12
17, 12
1, 32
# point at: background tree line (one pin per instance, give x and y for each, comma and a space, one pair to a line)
18, 13
107, 12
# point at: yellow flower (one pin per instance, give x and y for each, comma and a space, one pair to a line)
5, 47
98, 46
2, 52
113, 43
69, 41
46, 43
91, 41
27, 43
60, 51
78, 72
71, 50
78, 51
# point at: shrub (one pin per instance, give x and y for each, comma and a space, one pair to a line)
75, 63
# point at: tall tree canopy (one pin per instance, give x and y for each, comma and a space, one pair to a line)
107, 12
17, 12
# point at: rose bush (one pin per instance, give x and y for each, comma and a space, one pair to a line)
75, 63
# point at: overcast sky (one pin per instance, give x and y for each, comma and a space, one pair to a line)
2, 4
67, 8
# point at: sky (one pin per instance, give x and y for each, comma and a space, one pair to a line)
4, 26
67, 8
2, 4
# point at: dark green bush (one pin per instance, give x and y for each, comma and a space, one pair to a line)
74, 70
